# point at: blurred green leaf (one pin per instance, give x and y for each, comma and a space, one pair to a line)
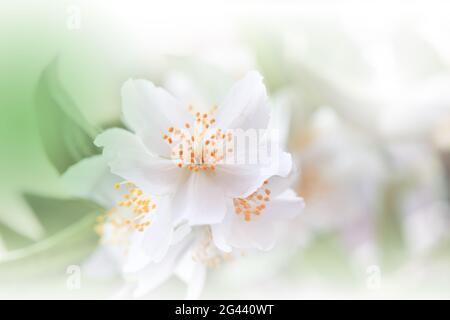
18, 218
11, 239
52, 255
67, 136
388, 224
55, 214
69, 238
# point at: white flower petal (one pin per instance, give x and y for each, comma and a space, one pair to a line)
196, 282
128, 158
252, 167
238, 180
152, 244
278, 184
260, 232
149, 111
180, 233
101, 264
272, 159
154, 274
193, 274
261, 236
91, 178
246, 105
221, 231
285, 206
135, 257
158, 236
280, 165
199, 200
241, 234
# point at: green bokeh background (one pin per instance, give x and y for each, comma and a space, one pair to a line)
43, 230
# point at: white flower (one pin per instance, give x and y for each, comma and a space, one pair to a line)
175, 214
125, 227
180, 151
188, 259
250, 222
144, 248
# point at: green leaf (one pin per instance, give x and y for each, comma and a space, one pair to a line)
55, 214
69, 238
388, 225
51, 255
67, 136
11, 239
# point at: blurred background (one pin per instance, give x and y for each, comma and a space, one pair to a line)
361, 88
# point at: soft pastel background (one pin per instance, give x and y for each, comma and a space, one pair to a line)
364, 91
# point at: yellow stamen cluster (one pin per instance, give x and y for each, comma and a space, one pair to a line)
131, 212
197, 146
254, 204
118, 233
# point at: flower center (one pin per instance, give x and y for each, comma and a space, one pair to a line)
198, 146
254, 204
131, 213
